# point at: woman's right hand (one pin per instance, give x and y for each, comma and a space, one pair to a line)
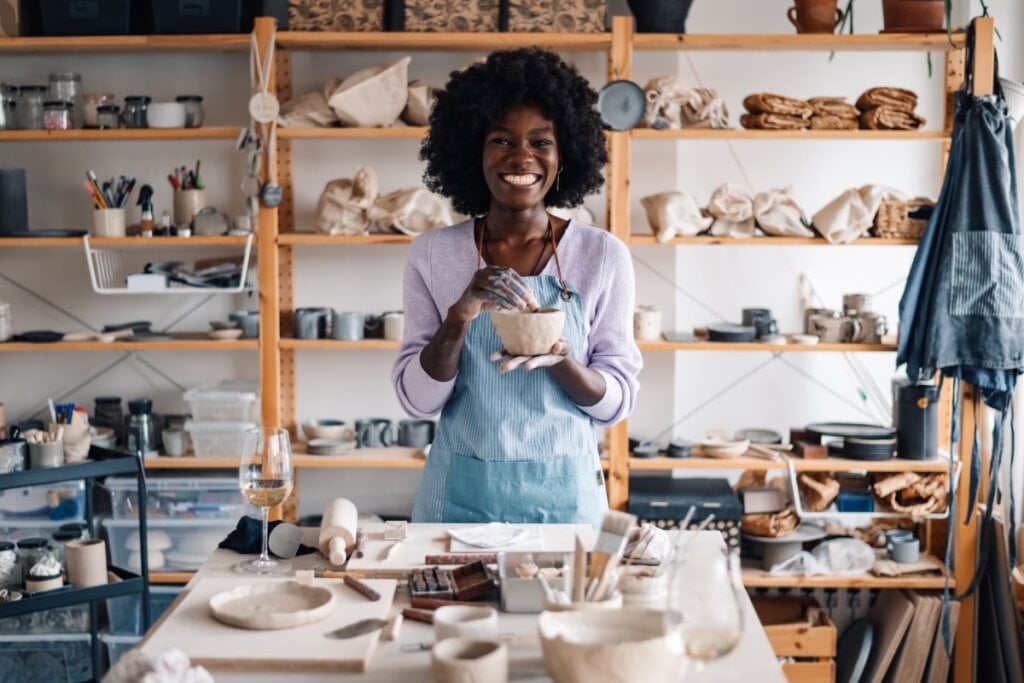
493, 287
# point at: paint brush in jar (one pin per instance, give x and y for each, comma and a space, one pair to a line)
607, 553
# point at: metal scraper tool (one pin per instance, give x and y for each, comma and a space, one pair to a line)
358, 628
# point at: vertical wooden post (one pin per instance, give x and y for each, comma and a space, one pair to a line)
620, 61
954, 80
965, 553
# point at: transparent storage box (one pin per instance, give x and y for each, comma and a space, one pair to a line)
124, 613
218, 439
178, 498
117, 645
70, 619
63, 502
55, 657
14, 530
221, 404
174, 544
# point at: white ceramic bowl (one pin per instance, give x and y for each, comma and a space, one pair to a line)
622, 646
328, 429
528, 333
166, 115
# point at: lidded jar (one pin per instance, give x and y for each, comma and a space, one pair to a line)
93, 101
67, 86
134, 114
30, 106
57, 115
193, 109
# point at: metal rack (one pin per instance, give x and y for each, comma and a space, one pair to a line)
102, 463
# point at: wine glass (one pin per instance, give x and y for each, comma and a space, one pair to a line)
265, 478
704, 615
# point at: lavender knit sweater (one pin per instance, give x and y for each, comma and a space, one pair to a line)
594, 263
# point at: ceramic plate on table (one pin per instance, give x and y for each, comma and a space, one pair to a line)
855, 430
622, 104
270, 606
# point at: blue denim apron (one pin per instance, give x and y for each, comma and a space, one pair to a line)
513, 447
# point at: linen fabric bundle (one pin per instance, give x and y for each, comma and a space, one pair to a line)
851, 214
309, 110
772, 525
673, 105
769, 103
373, 97
345, 203
818, 489
833, 106
674, 213
897, 98
410, 211
777, 213
891, 118
733, 211
774, 122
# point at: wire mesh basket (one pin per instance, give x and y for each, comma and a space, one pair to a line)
181, 268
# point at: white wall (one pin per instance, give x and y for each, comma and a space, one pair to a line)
349, 386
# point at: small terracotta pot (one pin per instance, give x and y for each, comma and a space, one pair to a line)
815, 16
913, 16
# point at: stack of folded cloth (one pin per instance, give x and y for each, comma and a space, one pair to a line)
775, 112
833, 113
889, 109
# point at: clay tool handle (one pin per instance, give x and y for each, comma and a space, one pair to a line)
420, 615
360, 587
393, 627
461, 558
389, 551
434, 603
360, 548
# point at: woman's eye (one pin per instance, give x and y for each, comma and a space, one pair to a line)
500, 141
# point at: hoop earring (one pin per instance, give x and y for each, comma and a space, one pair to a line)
558, 178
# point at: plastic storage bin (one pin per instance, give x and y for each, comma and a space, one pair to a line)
178, 498
56, 502
124, 614
85, 17
174, 544
70, 619
218, 439
220, 405
117, 645
14, 530
54, 657
197, 16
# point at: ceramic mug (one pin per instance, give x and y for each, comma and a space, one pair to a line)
311, 323
188, 203
463, 621
903, 550
394, 325
415, 433
875, 327
829, 329
852, 330
761, 320
373, 327
853, 304
647, 323
175, 441
108, 222
347, 325
86, 561
374, 432
464, 660
249, 321
811, 312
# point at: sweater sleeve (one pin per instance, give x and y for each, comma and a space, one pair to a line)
612, 349
419, 393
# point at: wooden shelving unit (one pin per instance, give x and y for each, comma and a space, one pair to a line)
295, 239
439, 42
816, 42
939, 465
636, 239
180, 342
233, 42
758, 578
397, 133
815, 135
137, 134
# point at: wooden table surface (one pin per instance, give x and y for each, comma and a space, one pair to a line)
752, 659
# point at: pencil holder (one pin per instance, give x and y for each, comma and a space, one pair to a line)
108, 222
187, 203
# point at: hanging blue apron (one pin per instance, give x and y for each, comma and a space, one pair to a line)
513, 447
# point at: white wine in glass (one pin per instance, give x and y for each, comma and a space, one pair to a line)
265, 478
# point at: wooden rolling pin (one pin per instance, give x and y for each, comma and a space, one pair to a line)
338, 530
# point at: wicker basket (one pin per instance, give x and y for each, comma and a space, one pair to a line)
893, 221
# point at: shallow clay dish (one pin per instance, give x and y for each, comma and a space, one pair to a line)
718, 448
528, 333
224, 324
328, 429
227, 334
269, 606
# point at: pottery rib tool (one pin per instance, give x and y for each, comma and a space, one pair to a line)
356, 629
579, 571
361, 588
338, 530
615, 527
389, 551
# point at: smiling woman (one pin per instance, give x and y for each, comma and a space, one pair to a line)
509, 138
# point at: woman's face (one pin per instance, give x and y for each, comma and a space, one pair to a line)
520, 157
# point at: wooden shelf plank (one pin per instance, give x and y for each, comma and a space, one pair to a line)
397, 133
444, 42
759, 578
341, 345
758, 346
90, 134
821, 465
190, 463
235, 42
170, 577
182, 342
888, 42
314, 238
766, 241
744, 134
364, 458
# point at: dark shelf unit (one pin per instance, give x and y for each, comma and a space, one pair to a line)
103, 463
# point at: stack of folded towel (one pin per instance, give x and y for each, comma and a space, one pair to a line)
889, 109
833, 113
776, 112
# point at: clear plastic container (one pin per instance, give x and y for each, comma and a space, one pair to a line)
70, 619
50, 657
117, 646
56, 502
124, 614
220, 405
174, 544
178, 498
218, 439
67, 86
30, 106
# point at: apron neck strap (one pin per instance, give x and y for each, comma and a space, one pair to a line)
566, 293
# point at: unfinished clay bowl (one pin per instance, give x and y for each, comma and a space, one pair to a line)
623, 646
528, 333
268, 606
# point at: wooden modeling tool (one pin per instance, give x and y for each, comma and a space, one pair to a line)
361, 588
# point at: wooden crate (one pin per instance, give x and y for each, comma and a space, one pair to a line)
798, 627
810, 672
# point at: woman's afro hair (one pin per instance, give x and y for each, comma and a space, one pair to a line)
481, 94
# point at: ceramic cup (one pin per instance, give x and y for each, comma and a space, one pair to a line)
108, 223
373, 327
86, 560
811, 312
415, 433
461, 621
249, 321
856, 303
348, 325
875, 326
188, 203
836, 330
374, 432
903, 550
175, 441
464, 660
43, 455
311, 323
647, 323
38, 584
394, 325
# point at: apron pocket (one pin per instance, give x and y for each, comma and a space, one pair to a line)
988, 274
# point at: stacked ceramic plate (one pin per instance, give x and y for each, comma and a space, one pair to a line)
728, 332
859, 441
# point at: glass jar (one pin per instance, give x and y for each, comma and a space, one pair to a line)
108, 116
67, 86
141, 430
134, 114
6, 325
193, 109
10, 569
60, 539
107, 411
93, 101
8, 107
57, 115
30, 106
30, 552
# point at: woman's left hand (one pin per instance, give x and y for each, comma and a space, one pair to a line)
558, 353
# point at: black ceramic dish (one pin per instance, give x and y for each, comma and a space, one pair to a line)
647, 450
39, 336
864, 449
730, 332
678, 449
855, 430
